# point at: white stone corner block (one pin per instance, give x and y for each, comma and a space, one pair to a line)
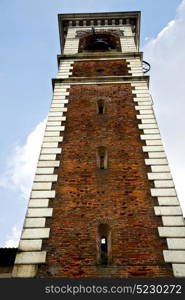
176, 232
173, 221
30, 245
178, 270
39, 212
35, 233
31, 257
176, 243
34, 222
167, 210
43, 194
24, 271
163, 192
173, 256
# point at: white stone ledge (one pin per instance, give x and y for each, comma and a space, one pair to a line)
155, 161
148, 121
145, 111
55, 121
24, 271
55, 128
178, 270
57, 118
140, 117
139, 85
144, 107
46, 164
60, 101
39, 203
171, 231
45, 178
163, 183
136, 73
51, 150
157, 154
172, 256
151, 131
35, 233
147, 126
159, 176
140, 101
163, 192
145, 104
41, 186
39, 212
57, 105
168, 201
58, 97
43, 171
55, 114
43, 194
147, 95
150, 136
160, 169
173, 221
50, 145
141, 92
61, 86
167, 210
64, 93
153, 148
58, 109
154, 142
177, 244
30, 245
34, 222
53, 139
31, 257
52, 133
47, 157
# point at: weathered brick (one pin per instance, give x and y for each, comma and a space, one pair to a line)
87, 196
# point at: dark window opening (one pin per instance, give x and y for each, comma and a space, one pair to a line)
101, 107
102, 162
104, 251
100, 70
102, 158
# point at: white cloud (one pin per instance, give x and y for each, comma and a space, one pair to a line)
22, 163
166, 53
13, 238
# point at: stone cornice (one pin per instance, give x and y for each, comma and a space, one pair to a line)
100, 80
99, 55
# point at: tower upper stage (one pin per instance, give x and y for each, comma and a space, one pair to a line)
115, 19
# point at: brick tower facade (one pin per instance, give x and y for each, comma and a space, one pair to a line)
103, 202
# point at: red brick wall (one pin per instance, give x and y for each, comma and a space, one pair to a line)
100, 68
87, 196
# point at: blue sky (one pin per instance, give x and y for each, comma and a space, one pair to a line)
29, 45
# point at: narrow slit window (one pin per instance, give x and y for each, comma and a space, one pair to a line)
101, 107
102, 158
104, 251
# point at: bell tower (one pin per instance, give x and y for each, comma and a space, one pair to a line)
103, 202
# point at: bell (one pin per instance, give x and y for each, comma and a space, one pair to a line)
100, 44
